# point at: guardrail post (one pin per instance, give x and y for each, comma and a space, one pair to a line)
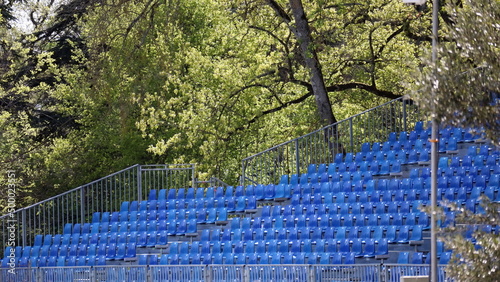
208, 273
193, 174
246, 274
297, 157
351, 137
243, 169
310, 273
92, 274
139, 183
149, 277
404, 114
23, 221
380, 272
38, 275
82, 205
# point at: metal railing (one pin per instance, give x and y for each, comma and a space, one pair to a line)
322, 145
211, 182
19, 228
359, 272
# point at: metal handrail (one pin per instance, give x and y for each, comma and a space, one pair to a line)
226, 272
78, 205
320, 146
70, 191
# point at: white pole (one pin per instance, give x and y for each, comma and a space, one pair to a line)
434, 149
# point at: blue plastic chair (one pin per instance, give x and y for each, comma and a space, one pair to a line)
240, 204
403, 258
269, 192
445, 257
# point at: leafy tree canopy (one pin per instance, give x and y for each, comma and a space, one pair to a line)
95, 86
462, 87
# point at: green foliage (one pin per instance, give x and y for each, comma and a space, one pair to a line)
475, 258
208, 82
462, 85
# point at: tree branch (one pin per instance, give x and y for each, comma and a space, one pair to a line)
280, 12
392, 36
273, 110
270, 34
356, 85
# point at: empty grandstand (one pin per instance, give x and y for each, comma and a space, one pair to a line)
340, 204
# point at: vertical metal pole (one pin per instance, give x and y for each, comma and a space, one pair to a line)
193, 174
311, 272
350, 135
24, 226
82, 205
243, 168
297, 157
404, 115
139, 183
434, 148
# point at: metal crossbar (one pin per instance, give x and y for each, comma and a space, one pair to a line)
360, 272
79, 204
321, 146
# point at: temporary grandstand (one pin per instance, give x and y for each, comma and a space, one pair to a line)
339, 204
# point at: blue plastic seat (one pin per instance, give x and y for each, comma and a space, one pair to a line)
313, 178
480, 181
251, 203
344, 246
445, 257
199, 193
403, 258
395, 168
390, 235
173, 259
259, 192
219, 192
403, 234
340, 232
258, 234
152, 195
339, 158
279, 191
215, 235
250, 190
269, 192
369, 248
331, 245
240, 203
492, 160
238, 246
245, 223
239, 191
172, 194
416, 234
365, 147
101, 250
216, 247
285, 179
417, 258
195, 248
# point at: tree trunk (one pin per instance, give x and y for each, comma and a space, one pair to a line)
303, 34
